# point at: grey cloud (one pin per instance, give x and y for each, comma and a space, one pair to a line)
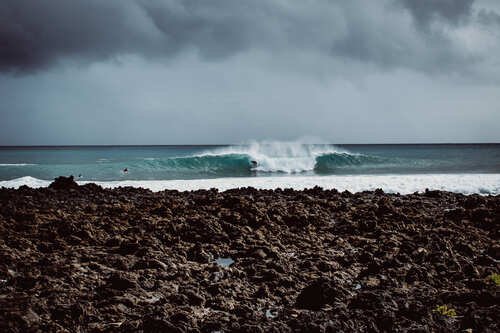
185, 25
488, 17
37, 34
193, 101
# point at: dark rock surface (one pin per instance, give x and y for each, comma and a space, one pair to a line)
64, 183
86, 259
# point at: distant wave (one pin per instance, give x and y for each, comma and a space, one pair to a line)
15, 164
485, 184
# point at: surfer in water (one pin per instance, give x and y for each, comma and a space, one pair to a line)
125, 171
254, 163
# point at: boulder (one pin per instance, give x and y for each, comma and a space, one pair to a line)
64, 183
317, 294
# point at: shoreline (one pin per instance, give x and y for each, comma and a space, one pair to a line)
480, 183
246, 260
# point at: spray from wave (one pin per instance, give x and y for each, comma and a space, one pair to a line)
289, 157
264, 157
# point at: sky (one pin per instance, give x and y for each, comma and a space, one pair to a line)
87, 72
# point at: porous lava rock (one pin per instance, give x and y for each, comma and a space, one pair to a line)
88, 259
317, 294
64, 183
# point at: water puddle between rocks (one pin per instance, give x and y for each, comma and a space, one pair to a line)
224, 262
270, 314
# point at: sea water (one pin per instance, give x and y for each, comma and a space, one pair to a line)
466, 168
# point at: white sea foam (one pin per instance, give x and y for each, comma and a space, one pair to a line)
15, 164
28, 181
404, 184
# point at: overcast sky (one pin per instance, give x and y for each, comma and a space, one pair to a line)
226, 71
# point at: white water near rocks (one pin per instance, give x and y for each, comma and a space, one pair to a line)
460, 183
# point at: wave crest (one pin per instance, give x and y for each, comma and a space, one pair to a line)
331, 162
289, 157
277, 156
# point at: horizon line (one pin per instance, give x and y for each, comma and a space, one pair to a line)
238, 144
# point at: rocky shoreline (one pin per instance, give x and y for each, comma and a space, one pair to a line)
87, 259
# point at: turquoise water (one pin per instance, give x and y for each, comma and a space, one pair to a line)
106, 163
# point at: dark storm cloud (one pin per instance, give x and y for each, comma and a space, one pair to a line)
453, 11
37, 34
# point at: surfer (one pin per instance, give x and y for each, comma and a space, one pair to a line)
254, 163
125, 171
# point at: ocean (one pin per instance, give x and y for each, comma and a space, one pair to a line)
403, 168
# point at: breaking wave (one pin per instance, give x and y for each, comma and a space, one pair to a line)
268, 157
204, 164
268, 164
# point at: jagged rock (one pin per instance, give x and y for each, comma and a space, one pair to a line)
128, 259
64, 183
317, 294
120, 282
